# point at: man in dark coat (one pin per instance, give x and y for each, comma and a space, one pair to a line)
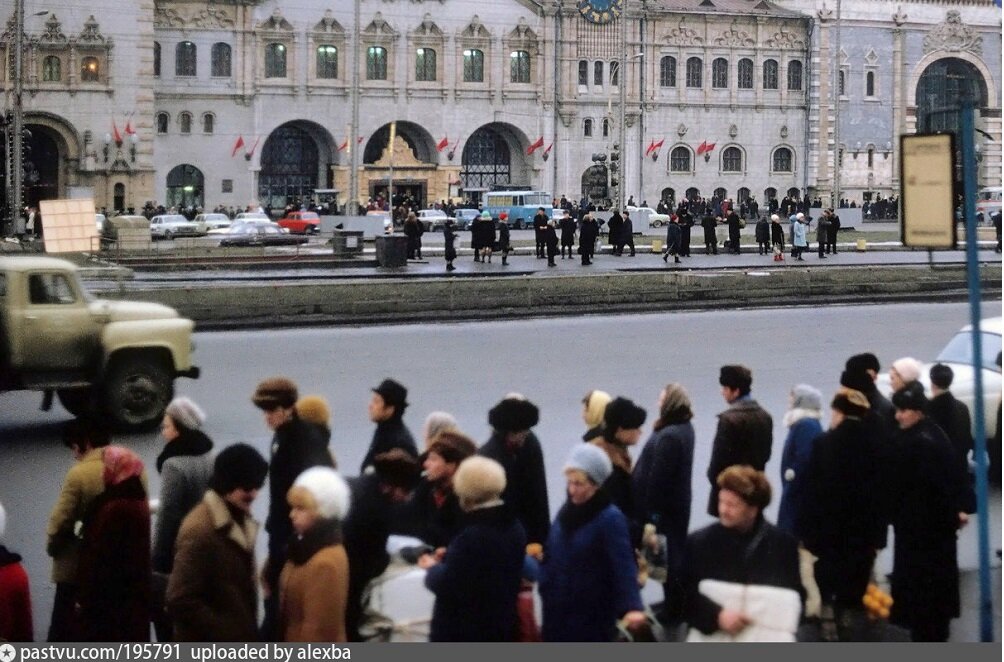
928, 510
516, 448
539, 226
296, 446
587, 238
673, 236
386, 409
551, 241
742, 548
614, 228
952, 416
745, 430
686, 222
831, 232
627, 233
567, 225
710, 225
503, 241
367, 527
735, 225
449, 237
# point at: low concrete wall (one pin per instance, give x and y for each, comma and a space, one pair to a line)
400, 300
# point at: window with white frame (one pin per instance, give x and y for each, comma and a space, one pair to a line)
221, 60
583, 73
474, 66
744, 74
795, 75
770, 74
275, 60
327, 61
587, 128
695, 72
782, 160
425, 64
519, 67
376, 63
185, 59
667, 71
732, 159
720, 73
679, 159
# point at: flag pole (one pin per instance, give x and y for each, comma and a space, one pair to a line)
390, 175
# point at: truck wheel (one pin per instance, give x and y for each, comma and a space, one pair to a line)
136, 392
77, 401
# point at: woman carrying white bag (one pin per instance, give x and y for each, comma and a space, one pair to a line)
741, 574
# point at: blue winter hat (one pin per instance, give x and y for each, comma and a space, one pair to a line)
590, 460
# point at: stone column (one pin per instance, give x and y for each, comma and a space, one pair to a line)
899, 96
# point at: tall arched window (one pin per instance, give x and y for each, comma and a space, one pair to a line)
615, 69
939, 89
327, 61
732, 160
794, 75
770, 74
163, 120
720, 193
52, 69
743, 194
679, 160
376, 63
667, 71
275, 60
474, 66
221, 60
719, 73
90, 70
185, 122
208, 123
841, 83
425, 64
695, 74
587, 128
606, 128
185, 59
583, 73
870, 84
156, 58
598, 74
744, 74
519, 67
782, 161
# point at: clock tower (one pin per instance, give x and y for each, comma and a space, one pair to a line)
600, 11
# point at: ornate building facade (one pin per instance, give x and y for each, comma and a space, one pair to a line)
233, 101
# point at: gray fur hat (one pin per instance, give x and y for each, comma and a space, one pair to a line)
804, 396
591, 461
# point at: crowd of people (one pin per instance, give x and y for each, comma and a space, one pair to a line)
482, 514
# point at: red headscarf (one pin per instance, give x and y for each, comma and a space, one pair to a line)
121, 464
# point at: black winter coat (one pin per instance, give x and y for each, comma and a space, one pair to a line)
365, 532
503, 237
388, 435
588, 234
673, 238
435, 525
744, 436
567, 231
526, 484
449, 237
614, 228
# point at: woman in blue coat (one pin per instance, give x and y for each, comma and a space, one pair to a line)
802, 421
588, 579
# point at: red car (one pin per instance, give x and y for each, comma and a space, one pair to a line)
301, 222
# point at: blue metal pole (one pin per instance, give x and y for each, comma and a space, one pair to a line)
967, 129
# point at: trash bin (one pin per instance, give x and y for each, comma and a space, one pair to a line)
862, 245
657, 245
392, 250
347, 243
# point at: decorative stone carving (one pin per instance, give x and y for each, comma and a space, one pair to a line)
735, 39
53, 32
428, 28
378, 26
871, 59
784, 131
683, 36
91, 34
899, 18
825, 14
953, 36
681, 129
567, 117
403, 156
475, 30
784, 40
733, 130
523, 31
329, 25
276, 23
209, 18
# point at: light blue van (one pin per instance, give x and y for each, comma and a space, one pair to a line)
519, 206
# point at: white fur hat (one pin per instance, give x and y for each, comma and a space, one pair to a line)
908, 368
329, 489
479, 480
185, 413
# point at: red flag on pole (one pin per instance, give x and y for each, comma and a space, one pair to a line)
657, 146
253, 148
128, 128
237, 146
535, 145
442, 144
710, 147
115, 133
702, 148
651, 146
548, 150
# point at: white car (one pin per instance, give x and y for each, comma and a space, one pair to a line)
99, 222
958, 355
248, 220
207, 222
169, 226
245, 215
646, 215
432, 219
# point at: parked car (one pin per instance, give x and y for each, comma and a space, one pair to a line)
207, 222
260, 234
301, 222
169, 226
244, 215
99, 222
432, 219
464, 217
958, 355
641, 216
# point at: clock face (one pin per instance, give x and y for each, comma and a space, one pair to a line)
600, 11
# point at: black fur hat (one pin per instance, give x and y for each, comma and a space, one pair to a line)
513, 415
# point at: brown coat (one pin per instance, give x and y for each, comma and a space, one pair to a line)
313, 597
83, 483
744, 436
211, 594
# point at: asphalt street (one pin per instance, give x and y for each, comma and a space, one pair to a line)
465, 368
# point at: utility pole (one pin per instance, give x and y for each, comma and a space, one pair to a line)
352, 204
15, 144
836, 113
622, 95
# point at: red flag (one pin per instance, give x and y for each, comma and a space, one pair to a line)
548, 150
128, 128
115, 133
237, 146
657, 146
535, 145
442, 144
253, 148
711, 146
648, 150
702, 148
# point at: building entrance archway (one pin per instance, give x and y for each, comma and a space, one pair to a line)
493, 159
185, 187
294, 162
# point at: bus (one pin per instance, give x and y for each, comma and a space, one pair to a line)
519, 206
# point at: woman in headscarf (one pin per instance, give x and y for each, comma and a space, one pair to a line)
593, 405
802, 421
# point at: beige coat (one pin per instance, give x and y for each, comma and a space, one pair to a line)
313, 597
84, 482
211, 594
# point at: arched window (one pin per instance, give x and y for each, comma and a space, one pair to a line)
583, 73
679, 159
208, 123
275, 60
732, 160
90, 70
52, 69
794, 193
782, 161
519, 67
770, 74
598, 74
221, 57
156, 58
615, 68
744, 74
743, 194
940, 87
693, 193
587, 128
163, 120
425, 64
720, 193
184, 59
327, 61
376, 63
185, 122
606, 128
719, 73
794, 75
870, 84
871, 157
695, 77
474, 66
841, 83
667, 71
770, 194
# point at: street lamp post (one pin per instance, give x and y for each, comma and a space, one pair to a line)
351, 205
622, 97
